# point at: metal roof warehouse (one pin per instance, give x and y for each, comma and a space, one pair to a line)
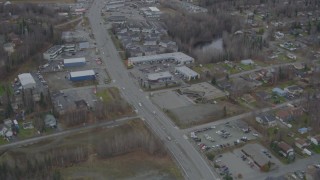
179, 57
74, 62
27, 81
187, 72
82, 75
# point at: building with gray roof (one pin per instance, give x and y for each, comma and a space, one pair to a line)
187, 73
160, 77
179, 57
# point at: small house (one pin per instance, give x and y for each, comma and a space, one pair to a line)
285, 149
50, 121
284, 115
315, 140
247, 62
267, 120
279, 91
294, 90
303, 130
301, 143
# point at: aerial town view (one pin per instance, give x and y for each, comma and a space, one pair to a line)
160, 89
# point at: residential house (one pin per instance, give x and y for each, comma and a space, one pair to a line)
172, 48
150, 42
136, 37
150, 50
284, 115
9, 47
134, 27
135, 52
279, 91
247, 62
301, 143
267, 120
294, 89
285, 149
50, 121
166, 43
303, 130
315, 140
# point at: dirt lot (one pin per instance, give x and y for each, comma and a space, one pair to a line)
185, 113
202, 113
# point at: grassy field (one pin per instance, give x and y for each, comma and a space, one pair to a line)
135, 165
116, 42
109, 94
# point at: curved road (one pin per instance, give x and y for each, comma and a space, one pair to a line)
191, 162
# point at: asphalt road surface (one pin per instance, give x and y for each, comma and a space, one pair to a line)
191, 162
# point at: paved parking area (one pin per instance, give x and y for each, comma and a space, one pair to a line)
249, 170
224, 134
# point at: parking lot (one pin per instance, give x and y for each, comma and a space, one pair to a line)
65, 99
249, 162
224, 135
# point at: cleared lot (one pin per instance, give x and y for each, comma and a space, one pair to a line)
170, 100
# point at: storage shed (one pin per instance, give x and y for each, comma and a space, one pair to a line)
82, 75
27, 81
73, 62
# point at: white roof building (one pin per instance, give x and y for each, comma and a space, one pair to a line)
178, 57
74, 60
187, 72
27, 81
154, 9
82, 73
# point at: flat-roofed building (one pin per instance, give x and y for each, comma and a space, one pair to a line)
187, 73
27, 81
82, 75
178, 57
73, 62
117, 19
160, 77
53, 52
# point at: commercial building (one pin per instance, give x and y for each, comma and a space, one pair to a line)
53, 52
178, 57
27, 81
82, 75
160, 77
73, 62
115, 4
117, 19
187, 73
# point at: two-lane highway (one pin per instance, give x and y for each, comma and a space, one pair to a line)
192, 163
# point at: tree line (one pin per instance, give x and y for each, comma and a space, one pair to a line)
117, 141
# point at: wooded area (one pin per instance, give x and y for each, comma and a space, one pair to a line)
43, 160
